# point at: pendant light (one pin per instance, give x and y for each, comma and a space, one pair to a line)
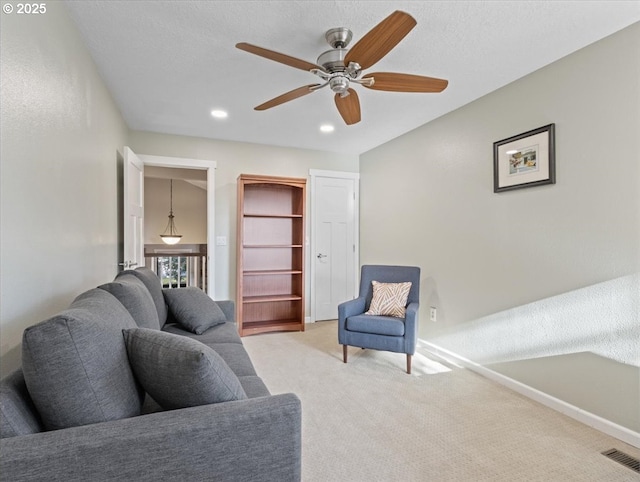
170, 235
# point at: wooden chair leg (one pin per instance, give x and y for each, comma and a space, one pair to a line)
408, 364
344, 353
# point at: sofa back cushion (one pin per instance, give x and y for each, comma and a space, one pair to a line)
135, 297
18, 416
154, 285
76, 367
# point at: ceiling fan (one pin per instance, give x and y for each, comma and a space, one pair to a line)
340, 67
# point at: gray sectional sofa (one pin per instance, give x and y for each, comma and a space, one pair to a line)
136, 383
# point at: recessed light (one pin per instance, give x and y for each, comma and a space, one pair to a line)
219, 114
327, 128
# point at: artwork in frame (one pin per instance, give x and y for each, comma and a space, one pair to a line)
525, 160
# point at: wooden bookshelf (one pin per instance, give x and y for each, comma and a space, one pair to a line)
270, 254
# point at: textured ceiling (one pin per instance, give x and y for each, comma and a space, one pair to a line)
169, 63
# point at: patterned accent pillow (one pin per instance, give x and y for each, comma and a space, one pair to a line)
389, 299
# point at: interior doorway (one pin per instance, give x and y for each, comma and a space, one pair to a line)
181, 194
334, 249
184, 163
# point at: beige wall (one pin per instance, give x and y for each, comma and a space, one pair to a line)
60, 134
233, 159
530, 273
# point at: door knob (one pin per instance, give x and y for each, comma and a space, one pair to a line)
128, 264
320, 256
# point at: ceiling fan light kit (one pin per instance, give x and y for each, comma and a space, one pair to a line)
340, 67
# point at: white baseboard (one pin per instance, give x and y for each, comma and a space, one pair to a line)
588, 418
307, 319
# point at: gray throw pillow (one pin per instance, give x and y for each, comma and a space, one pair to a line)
76, 367
193, 309
179, 372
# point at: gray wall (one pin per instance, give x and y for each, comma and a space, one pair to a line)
60, 135
532, 273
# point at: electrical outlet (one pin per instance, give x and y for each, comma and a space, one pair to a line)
432, 313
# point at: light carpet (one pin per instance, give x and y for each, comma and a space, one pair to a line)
368, 420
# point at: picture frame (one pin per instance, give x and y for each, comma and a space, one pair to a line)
525, 160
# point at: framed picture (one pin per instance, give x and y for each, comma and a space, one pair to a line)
525, 160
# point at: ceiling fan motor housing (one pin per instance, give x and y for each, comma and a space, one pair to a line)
333, 60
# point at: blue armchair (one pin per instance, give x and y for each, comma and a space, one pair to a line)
386, 333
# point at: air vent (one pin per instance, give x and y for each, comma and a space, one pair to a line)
622, 458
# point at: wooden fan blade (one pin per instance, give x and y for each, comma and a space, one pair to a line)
349, 107
278, 57
405, 82
281, 99
379, 41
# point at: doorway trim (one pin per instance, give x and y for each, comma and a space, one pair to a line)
314, 174
210, 167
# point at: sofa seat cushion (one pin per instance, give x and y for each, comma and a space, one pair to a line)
154, 285
179, 372
222, 333
76, 367
254, 386
135, 297
377, 325
236, 357
194, 309
18, 415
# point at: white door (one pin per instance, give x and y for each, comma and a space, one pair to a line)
133, 205
334, 255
